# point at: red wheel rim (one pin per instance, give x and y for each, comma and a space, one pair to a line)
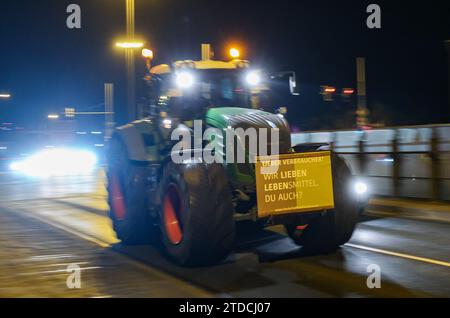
117, 198
171, 209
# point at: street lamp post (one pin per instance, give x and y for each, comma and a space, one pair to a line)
129, 61
362, 111
130, 45
447, 46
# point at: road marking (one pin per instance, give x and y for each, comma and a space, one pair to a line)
56, 271
407, 256
67, 229
50, 257
197, 291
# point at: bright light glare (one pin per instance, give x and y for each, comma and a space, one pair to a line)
385, 160
130, 45
53, 116
5, 95
234, 53
56, 162
253, 78
360, 188
15, 166
349, 91
148, 54
184, 80
167, 123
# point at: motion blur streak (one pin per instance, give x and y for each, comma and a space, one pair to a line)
56, 162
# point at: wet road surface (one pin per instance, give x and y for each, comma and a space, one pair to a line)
45, 225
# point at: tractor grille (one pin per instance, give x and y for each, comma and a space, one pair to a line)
260, 120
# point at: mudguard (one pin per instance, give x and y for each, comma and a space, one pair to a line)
140, 138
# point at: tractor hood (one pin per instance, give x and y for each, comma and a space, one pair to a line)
245, 118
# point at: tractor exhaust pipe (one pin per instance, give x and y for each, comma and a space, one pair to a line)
207, 53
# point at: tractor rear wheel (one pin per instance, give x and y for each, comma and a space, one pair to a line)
127, 197
196, 213
325, 233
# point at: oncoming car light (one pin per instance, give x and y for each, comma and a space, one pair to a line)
253, 78
56, 162
184, 80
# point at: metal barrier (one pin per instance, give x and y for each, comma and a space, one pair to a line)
414, 160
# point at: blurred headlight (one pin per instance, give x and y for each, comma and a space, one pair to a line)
360, 188
57, 162
253, 78
184, 80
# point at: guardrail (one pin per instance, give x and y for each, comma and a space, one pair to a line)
408, 161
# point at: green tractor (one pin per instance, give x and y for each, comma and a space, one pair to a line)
193, 206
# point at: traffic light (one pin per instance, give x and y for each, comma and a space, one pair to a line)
328, 93
348, 91
347, 94
362, 117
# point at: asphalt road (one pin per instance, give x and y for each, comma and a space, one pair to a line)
46, 225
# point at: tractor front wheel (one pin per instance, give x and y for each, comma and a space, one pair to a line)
196, 213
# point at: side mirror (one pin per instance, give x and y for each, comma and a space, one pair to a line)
293, 85
282, 110
292, 81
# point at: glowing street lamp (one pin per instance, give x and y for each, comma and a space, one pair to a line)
234, 53
148, 54
130, 45
53, 116
5, 96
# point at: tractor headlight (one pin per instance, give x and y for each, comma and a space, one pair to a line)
184, 80
360, 188
253, 78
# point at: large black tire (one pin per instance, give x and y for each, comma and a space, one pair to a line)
127, 197
203, 229
325, 233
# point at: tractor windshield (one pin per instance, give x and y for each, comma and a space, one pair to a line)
188, 93
223, 88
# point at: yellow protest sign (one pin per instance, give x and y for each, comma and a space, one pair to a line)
293, 183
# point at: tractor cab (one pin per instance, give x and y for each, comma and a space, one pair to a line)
187, 89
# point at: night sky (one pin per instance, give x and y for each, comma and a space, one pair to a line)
48, 67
